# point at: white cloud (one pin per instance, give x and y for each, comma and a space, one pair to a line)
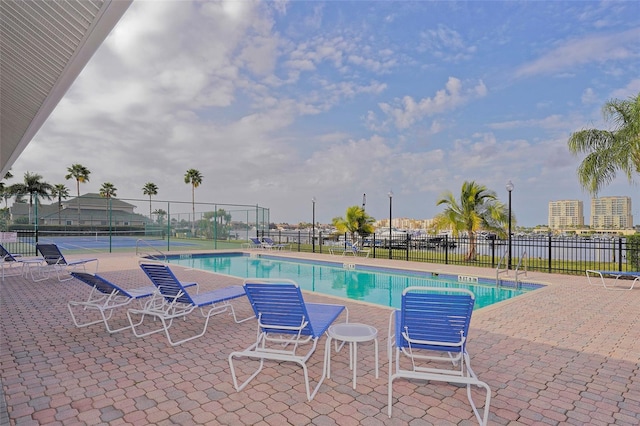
598, 48
631, 89
551, 122
446, 44
406, 111
589, 96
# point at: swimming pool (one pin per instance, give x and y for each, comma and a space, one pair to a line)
381, 286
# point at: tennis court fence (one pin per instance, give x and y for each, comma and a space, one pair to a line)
106, 225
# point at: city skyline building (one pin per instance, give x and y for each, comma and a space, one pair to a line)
566, 214
611, 213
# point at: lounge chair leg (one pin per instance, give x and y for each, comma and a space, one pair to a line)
233, 371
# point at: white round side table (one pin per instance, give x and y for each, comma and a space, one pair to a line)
352, 333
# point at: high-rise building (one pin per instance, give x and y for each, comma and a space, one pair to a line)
565, 214
611, 213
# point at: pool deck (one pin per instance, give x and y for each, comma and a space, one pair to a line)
565, 354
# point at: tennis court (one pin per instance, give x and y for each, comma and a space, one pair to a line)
98, 240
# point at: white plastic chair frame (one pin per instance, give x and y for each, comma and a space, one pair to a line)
281, 342
461, 373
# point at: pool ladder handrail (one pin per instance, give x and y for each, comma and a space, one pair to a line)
139, 253
505, 271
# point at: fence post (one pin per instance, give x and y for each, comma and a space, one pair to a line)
620, 253
446, 249
407, 243
374, 245
168, 226
549, 252
492, 244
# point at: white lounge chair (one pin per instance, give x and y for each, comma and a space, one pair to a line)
616, 275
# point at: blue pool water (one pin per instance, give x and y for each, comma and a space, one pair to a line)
382, 286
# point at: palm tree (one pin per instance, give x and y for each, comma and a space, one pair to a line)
4, 190
81, 174
62, 192
194, 177
356, 221
222, 219
478, 209
150, 189
107, 190
610, 151
160, 214
33, 186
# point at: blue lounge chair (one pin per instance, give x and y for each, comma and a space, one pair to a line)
617, 275
269, 244
254, 243
172, 301
105, 297
349, 248
355, 250
430, 330
56, 262
288, 328
15, 264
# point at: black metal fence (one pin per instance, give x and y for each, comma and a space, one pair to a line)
544, 253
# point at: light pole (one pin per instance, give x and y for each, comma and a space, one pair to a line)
390, 231
509, 189
313, 225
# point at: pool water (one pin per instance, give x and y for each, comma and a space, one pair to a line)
381, 286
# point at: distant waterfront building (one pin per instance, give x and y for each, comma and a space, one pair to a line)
611, 213
404, 223
565, 214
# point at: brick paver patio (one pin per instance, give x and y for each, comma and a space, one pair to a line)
565, 354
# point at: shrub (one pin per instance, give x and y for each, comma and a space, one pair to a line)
633, 252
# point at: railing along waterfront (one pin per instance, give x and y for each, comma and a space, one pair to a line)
570, 255
545, 253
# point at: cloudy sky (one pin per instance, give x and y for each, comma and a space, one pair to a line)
278, 102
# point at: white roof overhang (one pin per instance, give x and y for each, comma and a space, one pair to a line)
44, 45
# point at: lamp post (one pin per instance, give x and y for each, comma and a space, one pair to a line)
509, 189
390, 231
313, 225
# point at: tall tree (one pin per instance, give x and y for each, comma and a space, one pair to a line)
194, 177
160, 214
4, 189
34, 186
356, 220
81, 174
108, 190
61, 192
150, 189
609, 151
478, 209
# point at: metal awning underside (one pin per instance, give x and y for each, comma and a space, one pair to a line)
44, 45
